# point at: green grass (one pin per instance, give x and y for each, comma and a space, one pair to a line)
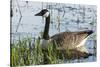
24, 52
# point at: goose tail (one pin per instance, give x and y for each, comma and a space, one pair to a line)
89, 32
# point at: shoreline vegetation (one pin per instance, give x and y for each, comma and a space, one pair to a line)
24, 53
69, 17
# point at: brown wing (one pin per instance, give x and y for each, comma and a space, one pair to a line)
69, 39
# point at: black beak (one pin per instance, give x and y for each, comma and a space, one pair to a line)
38, 14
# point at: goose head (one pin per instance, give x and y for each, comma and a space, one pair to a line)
44, 13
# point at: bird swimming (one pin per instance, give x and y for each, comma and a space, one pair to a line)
73, 41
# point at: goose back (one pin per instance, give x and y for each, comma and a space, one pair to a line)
69, 39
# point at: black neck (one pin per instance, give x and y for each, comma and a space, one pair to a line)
46, 29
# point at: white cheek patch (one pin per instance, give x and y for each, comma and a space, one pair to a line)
46, 14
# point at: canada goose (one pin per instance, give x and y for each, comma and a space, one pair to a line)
71, 40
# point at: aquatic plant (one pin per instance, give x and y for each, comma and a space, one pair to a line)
24, 52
